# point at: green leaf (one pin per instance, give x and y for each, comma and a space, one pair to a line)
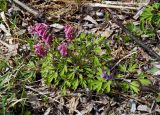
3, 65
153, 70
27, 112
3, 5
71, 47
141, 75
63, 70
125, 86
145, 82
134, 86
67, 83
156, 6
107, 86
120, 76
75, 84
132, 67
158, 98
80, 77
99, 71
52, 76
63, 89
96, 61
131, 27
71, 76
147, 14
97, 85
84, 84
123, 68
142, 22
99, 40
97, 50
82, 35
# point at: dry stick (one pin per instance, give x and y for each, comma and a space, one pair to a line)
122, 3
110, 6
51, 99
151, 52
140, 10
122, 59
35, 13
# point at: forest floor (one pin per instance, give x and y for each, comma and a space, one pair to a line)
22, 87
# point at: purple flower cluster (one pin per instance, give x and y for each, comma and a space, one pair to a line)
41, 30
68, 31
105, 76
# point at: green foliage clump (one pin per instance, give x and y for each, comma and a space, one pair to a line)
149, 22
129, 79
151, 15
88, 57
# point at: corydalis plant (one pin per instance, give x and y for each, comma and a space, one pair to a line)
81, 67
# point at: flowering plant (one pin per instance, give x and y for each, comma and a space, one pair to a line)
81, 62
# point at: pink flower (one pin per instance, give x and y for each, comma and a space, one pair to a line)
63, 49
68, 30
40, 50
41, 30
38, 29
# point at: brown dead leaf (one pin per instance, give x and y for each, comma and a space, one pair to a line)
73, 103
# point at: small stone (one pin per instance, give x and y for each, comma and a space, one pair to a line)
100, 14
143, 108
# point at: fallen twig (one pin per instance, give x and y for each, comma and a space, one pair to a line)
109, 6
151, 52
122, 59
122, 3
136, 16
30, 10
